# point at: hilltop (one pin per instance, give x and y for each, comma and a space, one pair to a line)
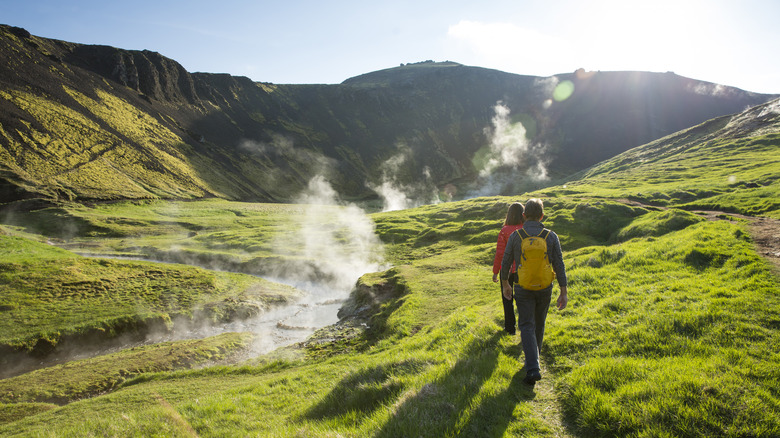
85, 122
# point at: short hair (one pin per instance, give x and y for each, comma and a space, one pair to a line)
514, 214
534, 209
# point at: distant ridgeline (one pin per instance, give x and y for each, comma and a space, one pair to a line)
84, 122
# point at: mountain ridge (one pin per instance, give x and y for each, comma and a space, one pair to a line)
140, 126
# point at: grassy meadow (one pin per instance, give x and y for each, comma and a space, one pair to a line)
672, 326
50, 295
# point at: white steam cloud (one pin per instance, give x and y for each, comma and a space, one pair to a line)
546, 87
338, 238
510, 159
709, 89
400, 196
333, 245
279, 144
508, 144
510, 148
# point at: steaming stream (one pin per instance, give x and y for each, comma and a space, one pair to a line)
278, 326
340, 241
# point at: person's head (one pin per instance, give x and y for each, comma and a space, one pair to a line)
514, 214
534, 210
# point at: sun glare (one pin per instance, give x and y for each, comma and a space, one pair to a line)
638, 36
601, 35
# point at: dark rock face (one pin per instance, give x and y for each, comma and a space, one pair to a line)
146, 72
258, 141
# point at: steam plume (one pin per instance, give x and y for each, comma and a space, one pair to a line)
397, 195
507, 142
337, 237
510, 158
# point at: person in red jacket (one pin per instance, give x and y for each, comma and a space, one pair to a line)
513, 222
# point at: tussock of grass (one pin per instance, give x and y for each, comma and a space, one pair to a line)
657, 224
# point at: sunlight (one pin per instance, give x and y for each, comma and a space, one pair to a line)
637, 36
603, 35
508, 46
563, 91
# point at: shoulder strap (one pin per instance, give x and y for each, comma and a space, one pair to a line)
545, 232
522, 233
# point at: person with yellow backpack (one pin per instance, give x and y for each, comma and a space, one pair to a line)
537, 253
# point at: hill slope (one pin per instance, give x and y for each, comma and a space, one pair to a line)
97, 122
671, 329
730, 163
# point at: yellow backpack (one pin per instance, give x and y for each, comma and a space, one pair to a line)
534, 270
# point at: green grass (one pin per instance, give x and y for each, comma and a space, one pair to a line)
256, 239
49, 294
671, 328
418, 388
86, 378
671, 335
738, 175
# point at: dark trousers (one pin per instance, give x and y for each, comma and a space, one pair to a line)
510, 323
532, 308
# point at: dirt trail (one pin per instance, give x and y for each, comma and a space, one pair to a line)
547, 406
766, 235
765, 231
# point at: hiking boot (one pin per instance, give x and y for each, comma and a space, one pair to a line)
532, 377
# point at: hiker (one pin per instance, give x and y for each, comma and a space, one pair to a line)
512, 223
537, 252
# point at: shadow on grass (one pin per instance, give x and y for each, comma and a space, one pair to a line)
437, 408
492, 417
365, 390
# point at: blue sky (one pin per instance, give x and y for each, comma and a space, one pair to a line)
723, 41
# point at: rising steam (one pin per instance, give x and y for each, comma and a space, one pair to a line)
508, 144
510, 157
336, 238
334, 245
397, 195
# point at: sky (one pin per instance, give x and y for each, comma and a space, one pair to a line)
727, 42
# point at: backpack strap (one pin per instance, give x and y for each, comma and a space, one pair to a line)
523, 233
545, 232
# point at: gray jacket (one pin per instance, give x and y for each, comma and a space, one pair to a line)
512, 251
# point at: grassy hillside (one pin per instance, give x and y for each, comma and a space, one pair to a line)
671, 328
729, 164
82, 122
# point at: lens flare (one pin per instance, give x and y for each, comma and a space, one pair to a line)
563, 91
